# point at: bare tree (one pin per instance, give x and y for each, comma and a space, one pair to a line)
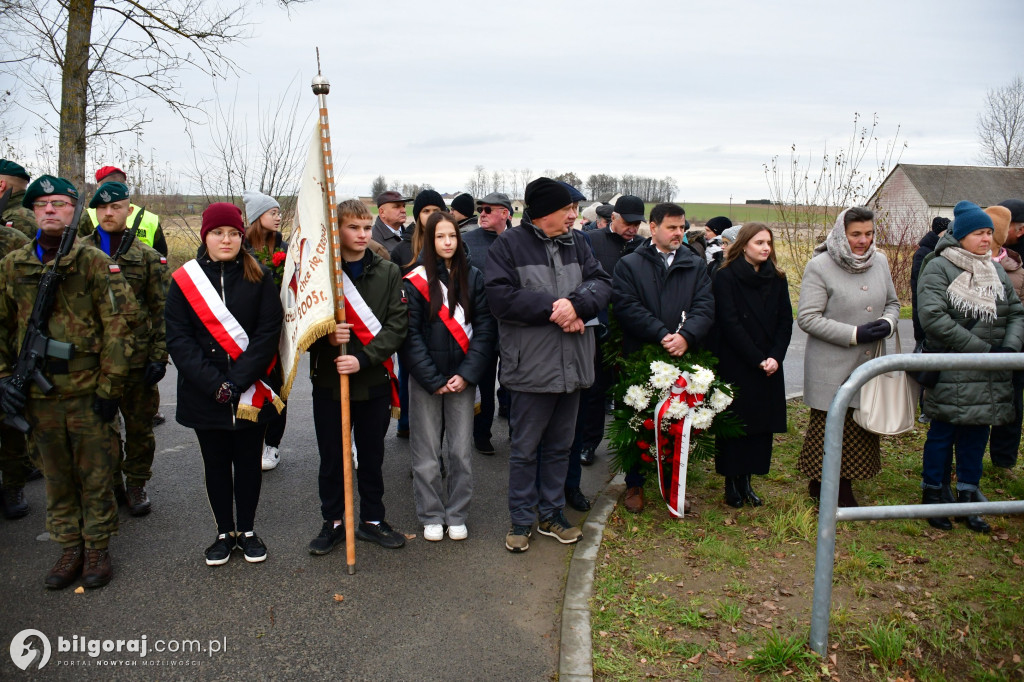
525, 175
1001, 125
88, 65
260, 150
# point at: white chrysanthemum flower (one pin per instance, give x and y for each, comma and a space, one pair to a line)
719, 401
702, 418
700, 380
677, 410
663, 375
637, 397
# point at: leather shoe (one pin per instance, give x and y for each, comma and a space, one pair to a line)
15, 506
97, 571
138, 500
483, 446
587, 456
634, 499
973, 521
935, 496
733, 496
575, 498
67, 569
748, 492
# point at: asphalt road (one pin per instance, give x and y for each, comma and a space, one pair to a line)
447, 610
466, 610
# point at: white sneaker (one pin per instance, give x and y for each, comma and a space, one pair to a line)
457, 532
271, 458
433, 532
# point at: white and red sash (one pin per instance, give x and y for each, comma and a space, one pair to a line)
457, 325
366, 326
227, 332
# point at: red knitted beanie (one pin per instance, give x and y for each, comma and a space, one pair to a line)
221, 214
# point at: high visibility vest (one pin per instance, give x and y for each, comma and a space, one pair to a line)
147, 228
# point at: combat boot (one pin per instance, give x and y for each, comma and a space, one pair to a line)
15, 506
138, 500
66, 570
97, 571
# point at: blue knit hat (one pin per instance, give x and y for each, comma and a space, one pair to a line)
968, 217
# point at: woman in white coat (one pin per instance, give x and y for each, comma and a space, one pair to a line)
847, 304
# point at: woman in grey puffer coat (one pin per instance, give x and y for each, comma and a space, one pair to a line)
967, 305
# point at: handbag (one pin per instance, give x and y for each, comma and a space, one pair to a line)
887, 401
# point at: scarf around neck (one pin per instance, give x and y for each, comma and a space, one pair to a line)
838, 247
974, 291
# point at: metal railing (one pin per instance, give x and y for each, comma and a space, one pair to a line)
829, 512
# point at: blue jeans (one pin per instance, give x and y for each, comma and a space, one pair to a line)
969, 442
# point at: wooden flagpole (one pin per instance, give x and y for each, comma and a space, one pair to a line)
320, 88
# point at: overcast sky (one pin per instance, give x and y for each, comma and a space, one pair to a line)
705, 92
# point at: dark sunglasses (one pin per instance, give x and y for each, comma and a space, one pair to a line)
489, 209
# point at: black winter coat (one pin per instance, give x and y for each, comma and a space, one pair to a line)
202, 363
609, 247
754, 322
924, 247
648, 300
431, 353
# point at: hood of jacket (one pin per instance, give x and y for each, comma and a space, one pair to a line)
929, 240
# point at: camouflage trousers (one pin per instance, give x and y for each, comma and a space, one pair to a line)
139, 405
14, 462
78, 451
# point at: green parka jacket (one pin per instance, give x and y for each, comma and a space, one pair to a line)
967, 397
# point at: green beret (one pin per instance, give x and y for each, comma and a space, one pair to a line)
44, 186
108, 193
13, 169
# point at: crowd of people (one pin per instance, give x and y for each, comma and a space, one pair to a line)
484, 317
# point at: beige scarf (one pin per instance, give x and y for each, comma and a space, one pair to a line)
975, 291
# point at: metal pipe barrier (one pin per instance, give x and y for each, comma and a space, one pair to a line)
829, 512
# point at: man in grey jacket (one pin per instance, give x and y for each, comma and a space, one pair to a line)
387, 228
543, 283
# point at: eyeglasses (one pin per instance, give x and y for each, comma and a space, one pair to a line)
489, 209
230, 234
58, 204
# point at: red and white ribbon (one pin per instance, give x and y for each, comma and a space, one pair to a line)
672, 447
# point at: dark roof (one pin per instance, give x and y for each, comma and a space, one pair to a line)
984, 185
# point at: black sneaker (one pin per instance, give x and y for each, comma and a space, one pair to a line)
381, 533
329, 538
220, 551
483, 446
251, 545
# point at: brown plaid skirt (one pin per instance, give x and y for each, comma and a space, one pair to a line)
861, 453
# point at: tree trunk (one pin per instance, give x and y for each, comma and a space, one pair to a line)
74, 86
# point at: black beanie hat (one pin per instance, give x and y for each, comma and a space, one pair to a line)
544, 196
427, 197
718, 224
464, 204
939, 224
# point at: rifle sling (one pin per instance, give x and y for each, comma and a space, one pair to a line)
76, 364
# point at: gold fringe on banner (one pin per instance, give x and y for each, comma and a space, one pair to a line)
317, 331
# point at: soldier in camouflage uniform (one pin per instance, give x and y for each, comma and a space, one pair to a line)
14, 177
14, 462
73, 427
145, 270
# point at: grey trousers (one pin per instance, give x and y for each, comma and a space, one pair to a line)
543, 426
429, 416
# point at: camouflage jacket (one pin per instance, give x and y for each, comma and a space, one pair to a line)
93, 310
11, 239
147, 275
20, 218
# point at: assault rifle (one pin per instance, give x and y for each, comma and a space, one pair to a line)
129, 237
37, 345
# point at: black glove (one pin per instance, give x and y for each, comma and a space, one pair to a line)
155, 371
106, 408
227, 393
873, 331
11, 399
1001, 349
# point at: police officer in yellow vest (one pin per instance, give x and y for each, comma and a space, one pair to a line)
149, 232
